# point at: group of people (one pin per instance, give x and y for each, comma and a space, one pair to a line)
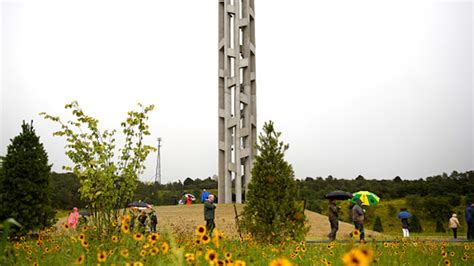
358, 217
143, 219
151, 219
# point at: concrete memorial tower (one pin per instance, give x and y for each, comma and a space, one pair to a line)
237, 131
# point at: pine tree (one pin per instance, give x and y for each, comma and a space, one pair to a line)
272, 212
378, 224
26, 192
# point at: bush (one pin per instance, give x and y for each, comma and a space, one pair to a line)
272, 212
415, 224
378, 224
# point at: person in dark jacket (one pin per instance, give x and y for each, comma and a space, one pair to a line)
358, 219
405, 223
333, 215
142, 219
209, 210
153, 221
470, 221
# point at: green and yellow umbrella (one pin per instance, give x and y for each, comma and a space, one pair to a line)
366, 197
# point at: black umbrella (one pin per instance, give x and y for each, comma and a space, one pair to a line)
85, 213
138, 204
338, 195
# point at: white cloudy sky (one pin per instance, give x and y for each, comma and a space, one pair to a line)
374, 88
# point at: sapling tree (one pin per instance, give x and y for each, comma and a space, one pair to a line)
107, 180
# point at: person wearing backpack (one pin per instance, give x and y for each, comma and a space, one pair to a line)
153, 221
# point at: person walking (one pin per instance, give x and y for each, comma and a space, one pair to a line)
454, 224
153, 221
333, 215
189, 200
142, 219
209, 213
73, 218
204, 195
358, 219
470, 221
405, 227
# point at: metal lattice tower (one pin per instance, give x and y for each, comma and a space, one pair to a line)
237, 97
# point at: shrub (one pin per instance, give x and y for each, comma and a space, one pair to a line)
415, 224
272, 212
378, 224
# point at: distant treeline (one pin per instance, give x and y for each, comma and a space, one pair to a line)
453, 186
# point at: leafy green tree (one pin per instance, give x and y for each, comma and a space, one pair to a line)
107, 182
272, 212
378, 224
26, 191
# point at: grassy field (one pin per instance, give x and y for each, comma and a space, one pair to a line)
182, 219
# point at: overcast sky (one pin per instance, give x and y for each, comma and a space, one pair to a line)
356, 87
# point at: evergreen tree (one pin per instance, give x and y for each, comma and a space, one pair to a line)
378, 224
272, 212
26, 191
415, 224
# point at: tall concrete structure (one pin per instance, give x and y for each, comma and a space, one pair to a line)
237, 97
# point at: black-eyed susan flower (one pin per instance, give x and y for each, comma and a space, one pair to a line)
199, 252
190, 257
137, 237
114, 239
447, 262
356, 233
153, 237
137, 263
197, 241
80, 259
200, 230
143, 252
228, 256
355, 258
240, 263
211, 256
444, 254
65, 226
85, 243
280, 262
154, 251
101, 256
124, 253
125, 228
464, 258
84, 228
368, 253
205, 239
81, 237
165, 247
452, 253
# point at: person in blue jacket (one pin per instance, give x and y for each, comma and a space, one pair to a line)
204, 195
